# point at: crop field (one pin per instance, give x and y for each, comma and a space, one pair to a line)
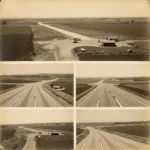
67, 83
48, 142
7, 86
134, 129
100, 29
16, 41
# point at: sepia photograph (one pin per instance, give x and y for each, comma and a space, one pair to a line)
113, 129
101, 32
36, 85
112, 85
36, 130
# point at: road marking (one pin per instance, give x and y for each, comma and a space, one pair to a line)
98, 104
101, 146
116, 99
139, 102
14, 102
88, 96
85, 100
121, 146
118, 102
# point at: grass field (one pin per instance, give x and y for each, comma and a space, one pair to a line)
62, 127
82, 135
142, 89
134, 129
7, 86
9, 140
82, 84
43, 34
118, 53
48, 142
82, 87
7, 132
16, 80
87, 80
67, 83
101, 29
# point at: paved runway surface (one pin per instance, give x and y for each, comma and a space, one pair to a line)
108, 95
101, 140
31, 95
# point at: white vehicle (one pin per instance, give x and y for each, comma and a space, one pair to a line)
61, 89
56, 86
83, 49
129, 51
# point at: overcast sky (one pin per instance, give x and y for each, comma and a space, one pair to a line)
10, 69
18, 116
74, 8
113, 115
112, 69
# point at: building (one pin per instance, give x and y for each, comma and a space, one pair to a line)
108, 43
114, 38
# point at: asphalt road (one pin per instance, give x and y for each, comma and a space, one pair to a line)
31, 95
108, 95
56, 141
101, 140
31, 143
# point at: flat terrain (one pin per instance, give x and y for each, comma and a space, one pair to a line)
116, 94
32, 137
111, 53
67, 83
7, 86
141, 130
99, 28
100, 139
84, 84
53, 38
31, 95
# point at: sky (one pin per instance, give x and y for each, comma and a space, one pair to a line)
30, 115
74, 8
112, 115
35, 68
112, 69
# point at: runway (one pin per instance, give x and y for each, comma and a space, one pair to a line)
101, 140
31, 95
108, 95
